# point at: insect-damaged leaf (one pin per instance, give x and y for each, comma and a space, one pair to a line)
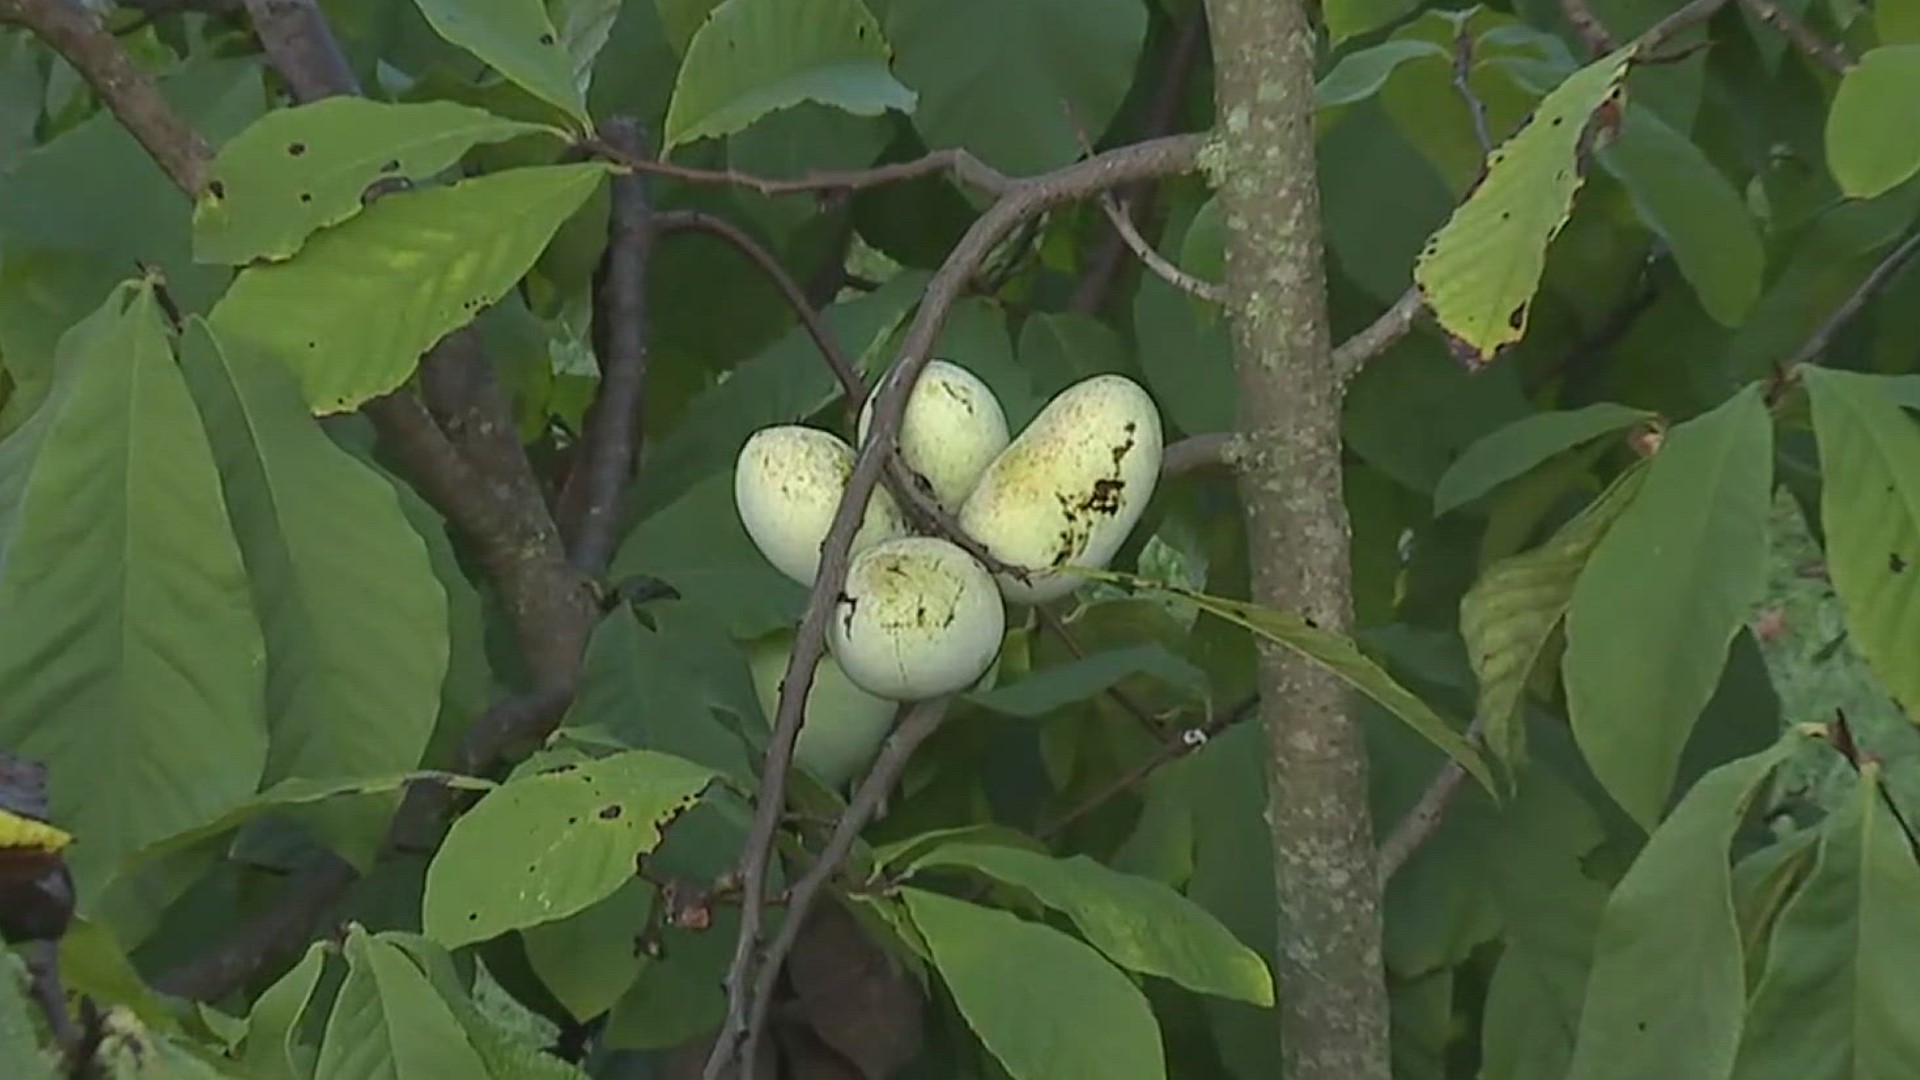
1479, 272
546, 846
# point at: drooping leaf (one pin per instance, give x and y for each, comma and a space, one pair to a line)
300, 169
1513, 450
545, 846
1360, 75
1668, 991
588, 959
355, 310
389, 1023
1509, 616
269, 1049
1479, 272
1688, 201
355, 621
517, 39
1140, 924
1873, 145
1022, 987
1662, 595
1870, 508
130, 660
1047, 689
1338, 655
753, 57
585, 27
1016, 81
1843, 964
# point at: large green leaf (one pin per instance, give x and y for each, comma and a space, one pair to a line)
1015, 81
1479, 272
300, 169
353, 313
355, 621
1350, 18
1047, 1006
1517, 448
270, 1049
517, 39
1668, 990
588, 959
753, 57
1843, 967
130, 659
389, 1023
1688, 201
1041, 692
1873, 144
1662, 596
545, 846
1360, 75
1509, 616
1140, 924
1870, 508
698, 546
1337, 655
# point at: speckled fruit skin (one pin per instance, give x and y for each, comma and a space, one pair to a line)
844, 726
787, 482
919, 618
1069, 488
952, 430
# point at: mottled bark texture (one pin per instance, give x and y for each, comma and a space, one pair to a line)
1333, 1005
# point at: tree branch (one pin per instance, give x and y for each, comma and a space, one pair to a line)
959, 164
1122, 222
1019, 201
1392, 325
1423, 819
590, 502
1165, 754
1802, 35
130, 94
296, 38
1882, 276
1196, 452
1591, 31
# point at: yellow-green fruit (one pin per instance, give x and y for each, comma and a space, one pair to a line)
787, 483
844, 724
1069, 488
951, 431
918, 618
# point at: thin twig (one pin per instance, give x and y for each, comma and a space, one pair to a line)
1392, 325
1682, 19
590, 499
1196, 452
1165, 754
1122, 223
1880, 278
1462, 83
296, 38
1420, 822
959, 164
916, 723
134, 98
1840, 737
1800, 34
1591, 31
1128, 705
1159, 157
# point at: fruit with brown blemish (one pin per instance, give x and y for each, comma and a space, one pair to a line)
952, 429
787, 484
918, 618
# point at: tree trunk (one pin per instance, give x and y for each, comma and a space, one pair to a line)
1332, 994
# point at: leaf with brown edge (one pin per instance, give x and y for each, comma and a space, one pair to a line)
1509, 616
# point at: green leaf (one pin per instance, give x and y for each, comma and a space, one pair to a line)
682, 18
1360, 75
354, 312
1897, 22
1335, 654
389, 1023
1031, 994
353, 687
20, 1049
1836, 997
1668, 989
130, 660
698, 546
1479, 272
517, 39
1509, 616
543, 847
1870, 507
1047, 689
588, 959
1658, 604
1140, 924
1350, 18
1015, 81
1517, 448
270, 1050
753, 57
1873, 144
1681, 195
297, 170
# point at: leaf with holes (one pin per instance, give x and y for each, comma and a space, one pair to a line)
1870, 505
517, 39
752, 57
300, 169
1509, 616
1335, 654
546, 846
1479, 272
1511, 451
353, 313
1873, 145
